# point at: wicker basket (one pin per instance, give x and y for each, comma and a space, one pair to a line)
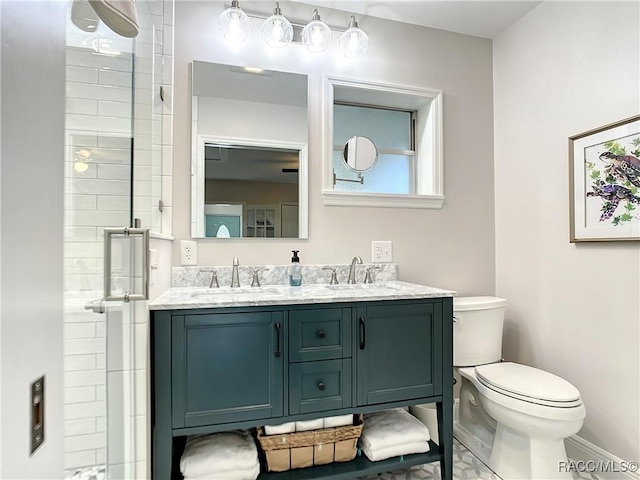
315, 447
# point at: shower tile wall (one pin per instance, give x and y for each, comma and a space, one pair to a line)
98, 91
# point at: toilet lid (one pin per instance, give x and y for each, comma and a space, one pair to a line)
528, 384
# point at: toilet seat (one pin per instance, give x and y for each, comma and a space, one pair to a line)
528, 384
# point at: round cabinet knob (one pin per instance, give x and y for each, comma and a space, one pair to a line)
321, 334
321, 385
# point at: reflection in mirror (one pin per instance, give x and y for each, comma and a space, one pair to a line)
250, 191
360, 154
249, 153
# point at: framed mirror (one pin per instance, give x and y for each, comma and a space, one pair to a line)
249, 153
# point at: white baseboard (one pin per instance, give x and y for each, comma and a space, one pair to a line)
593, 458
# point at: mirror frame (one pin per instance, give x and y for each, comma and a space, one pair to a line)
198, 181
429, 135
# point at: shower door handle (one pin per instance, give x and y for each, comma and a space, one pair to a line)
141, 280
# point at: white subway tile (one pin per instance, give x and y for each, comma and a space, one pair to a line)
71, 172
113, 203
82, 282
114, 172
168, 12
101, 392
97, 92
101, 124
80, 266
81, 426
83, 249
101, 330
114, 141
85, 442
79, 234
112, 77
81, 347
79, 202
82, 106
167, 129
167, 190
141, 345
167, 160
101, 458
79, 362
142, 189
101, 424
79, 394
84, 378
79, 330
114, 109
101, 361
80, 459
76, 139
100, 187
85, 410
81, 74
167, 221
86, 58
141, 388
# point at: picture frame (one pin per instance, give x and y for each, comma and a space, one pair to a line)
604, 183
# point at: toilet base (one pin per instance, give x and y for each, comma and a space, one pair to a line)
514, 456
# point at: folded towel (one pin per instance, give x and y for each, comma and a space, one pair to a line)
120, 16
390, 428
338, 421
394, 450
277, 429
227, 455
309, 425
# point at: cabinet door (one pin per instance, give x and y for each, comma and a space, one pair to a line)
227, 367
319, 334
399, 352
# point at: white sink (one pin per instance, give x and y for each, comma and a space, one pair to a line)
249, 291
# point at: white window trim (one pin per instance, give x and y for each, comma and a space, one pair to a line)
429, 140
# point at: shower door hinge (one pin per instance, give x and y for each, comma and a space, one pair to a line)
161, 93
161, 205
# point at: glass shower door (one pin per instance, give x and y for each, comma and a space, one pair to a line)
111, 137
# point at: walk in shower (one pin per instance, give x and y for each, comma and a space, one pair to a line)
113, 175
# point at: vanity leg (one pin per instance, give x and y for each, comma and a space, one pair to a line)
445, 432
161, 433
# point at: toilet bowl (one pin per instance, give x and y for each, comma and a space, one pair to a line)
513, 417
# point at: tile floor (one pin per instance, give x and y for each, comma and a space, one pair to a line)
465, 467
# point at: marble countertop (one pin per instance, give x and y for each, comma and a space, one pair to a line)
202, 297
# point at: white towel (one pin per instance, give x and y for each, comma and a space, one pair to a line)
120, 16
393, 432
277, 429
338, 421
309, 425
227, 456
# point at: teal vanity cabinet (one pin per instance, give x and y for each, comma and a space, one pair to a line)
399, 352
226, 367
236, 367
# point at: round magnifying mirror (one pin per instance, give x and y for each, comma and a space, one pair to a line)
360, 154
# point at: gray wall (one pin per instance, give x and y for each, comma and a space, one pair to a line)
33, 42
566, 68
450, 248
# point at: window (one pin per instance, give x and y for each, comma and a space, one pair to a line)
392, 132
405, 123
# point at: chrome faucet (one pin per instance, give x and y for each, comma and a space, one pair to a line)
235, 279
352, 270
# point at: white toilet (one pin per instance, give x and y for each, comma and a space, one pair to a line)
513, 417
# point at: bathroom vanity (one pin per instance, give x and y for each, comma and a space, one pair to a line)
226, 359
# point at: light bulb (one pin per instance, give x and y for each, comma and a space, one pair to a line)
277, 30
234, 24
353, 42
80, 166
316, 35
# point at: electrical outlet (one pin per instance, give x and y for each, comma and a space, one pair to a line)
381, 252
188, 252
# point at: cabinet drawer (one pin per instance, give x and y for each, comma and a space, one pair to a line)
319, 386
319, 334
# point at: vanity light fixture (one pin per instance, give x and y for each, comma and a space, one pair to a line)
277, 31
316, 35
234, 24
82, 156
353, 42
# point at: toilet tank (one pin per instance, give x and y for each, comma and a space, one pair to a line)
477, 330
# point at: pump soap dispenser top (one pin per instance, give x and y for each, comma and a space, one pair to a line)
295, 270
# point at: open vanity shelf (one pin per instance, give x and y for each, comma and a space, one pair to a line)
368, 355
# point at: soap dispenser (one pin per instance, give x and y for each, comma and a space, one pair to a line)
295, 270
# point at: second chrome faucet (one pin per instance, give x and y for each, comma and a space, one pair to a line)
235, 278
352, 269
